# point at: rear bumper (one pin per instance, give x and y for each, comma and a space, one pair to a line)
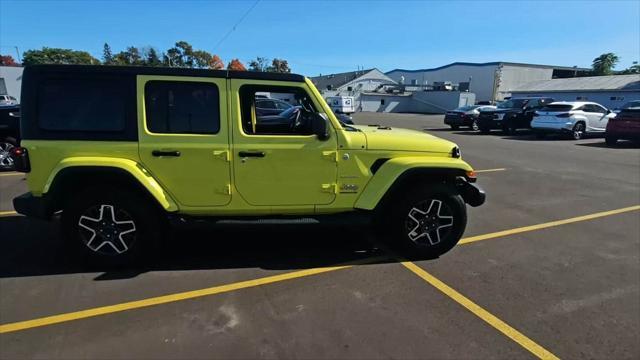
551, 127
33, 206
472, 194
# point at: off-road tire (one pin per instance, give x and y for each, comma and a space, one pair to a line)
100, 211
6, 162
421, 206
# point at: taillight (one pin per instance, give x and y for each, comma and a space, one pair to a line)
564, 115
20, 158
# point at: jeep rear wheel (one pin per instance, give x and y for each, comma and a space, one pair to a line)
428, 221
111, 226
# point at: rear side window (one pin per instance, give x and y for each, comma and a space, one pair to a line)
83, 105
557, 107
174, 107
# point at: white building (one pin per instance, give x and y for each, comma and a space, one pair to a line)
609, 91
487, 80
352, 83
11, 80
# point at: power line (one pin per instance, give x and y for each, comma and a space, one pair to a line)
235, 25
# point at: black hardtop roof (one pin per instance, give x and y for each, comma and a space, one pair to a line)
169, 71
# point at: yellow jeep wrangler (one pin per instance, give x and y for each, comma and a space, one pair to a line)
119, 151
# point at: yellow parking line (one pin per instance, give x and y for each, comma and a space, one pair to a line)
7, 213
490, 170
11, 174
110, 309
483, 314
547, 225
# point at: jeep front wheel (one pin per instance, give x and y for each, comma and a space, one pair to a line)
111, 226
428, 221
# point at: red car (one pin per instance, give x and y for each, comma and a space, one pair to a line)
626, 125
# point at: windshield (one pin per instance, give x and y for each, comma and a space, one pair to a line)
513, 104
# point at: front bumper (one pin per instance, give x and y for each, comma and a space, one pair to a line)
472, 194
33, 206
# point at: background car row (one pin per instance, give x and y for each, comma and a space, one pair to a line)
544, 116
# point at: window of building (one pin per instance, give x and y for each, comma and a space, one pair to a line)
286, 119
94, 105
349, 88
381, 101
414, 82
182, 107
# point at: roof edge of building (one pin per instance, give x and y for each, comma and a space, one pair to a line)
490, 64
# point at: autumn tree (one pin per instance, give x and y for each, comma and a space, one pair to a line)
7, 60
236, 65
57, 56
216, 63
201, 59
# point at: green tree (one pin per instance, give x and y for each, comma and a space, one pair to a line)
633, 69
201, 59
279, 66
604, 64
259, 64
57, 56
131, 56
107, 55
151, 57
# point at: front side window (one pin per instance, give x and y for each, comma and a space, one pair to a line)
81, 105
174, 107
293, 118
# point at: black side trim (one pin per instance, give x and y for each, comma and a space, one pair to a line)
377, 164
33, 206
144, 70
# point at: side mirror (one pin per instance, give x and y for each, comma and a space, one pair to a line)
320, 126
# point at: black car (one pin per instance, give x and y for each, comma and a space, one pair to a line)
465, 116
9, 134
512, 114
266, 106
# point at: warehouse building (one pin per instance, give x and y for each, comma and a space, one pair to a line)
609, 91
487, 80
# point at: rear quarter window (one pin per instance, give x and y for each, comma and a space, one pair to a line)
88, 105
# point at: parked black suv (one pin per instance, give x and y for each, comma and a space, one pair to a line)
512, 114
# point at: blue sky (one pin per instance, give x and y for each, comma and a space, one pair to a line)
333, 36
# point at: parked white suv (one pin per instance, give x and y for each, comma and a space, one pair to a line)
575, 118
8, 100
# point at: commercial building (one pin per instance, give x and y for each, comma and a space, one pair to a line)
609, 91
11, 80
487, 80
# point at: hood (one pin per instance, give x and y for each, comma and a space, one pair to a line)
395, 139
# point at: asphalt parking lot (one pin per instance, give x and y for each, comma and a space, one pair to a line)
549, 267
